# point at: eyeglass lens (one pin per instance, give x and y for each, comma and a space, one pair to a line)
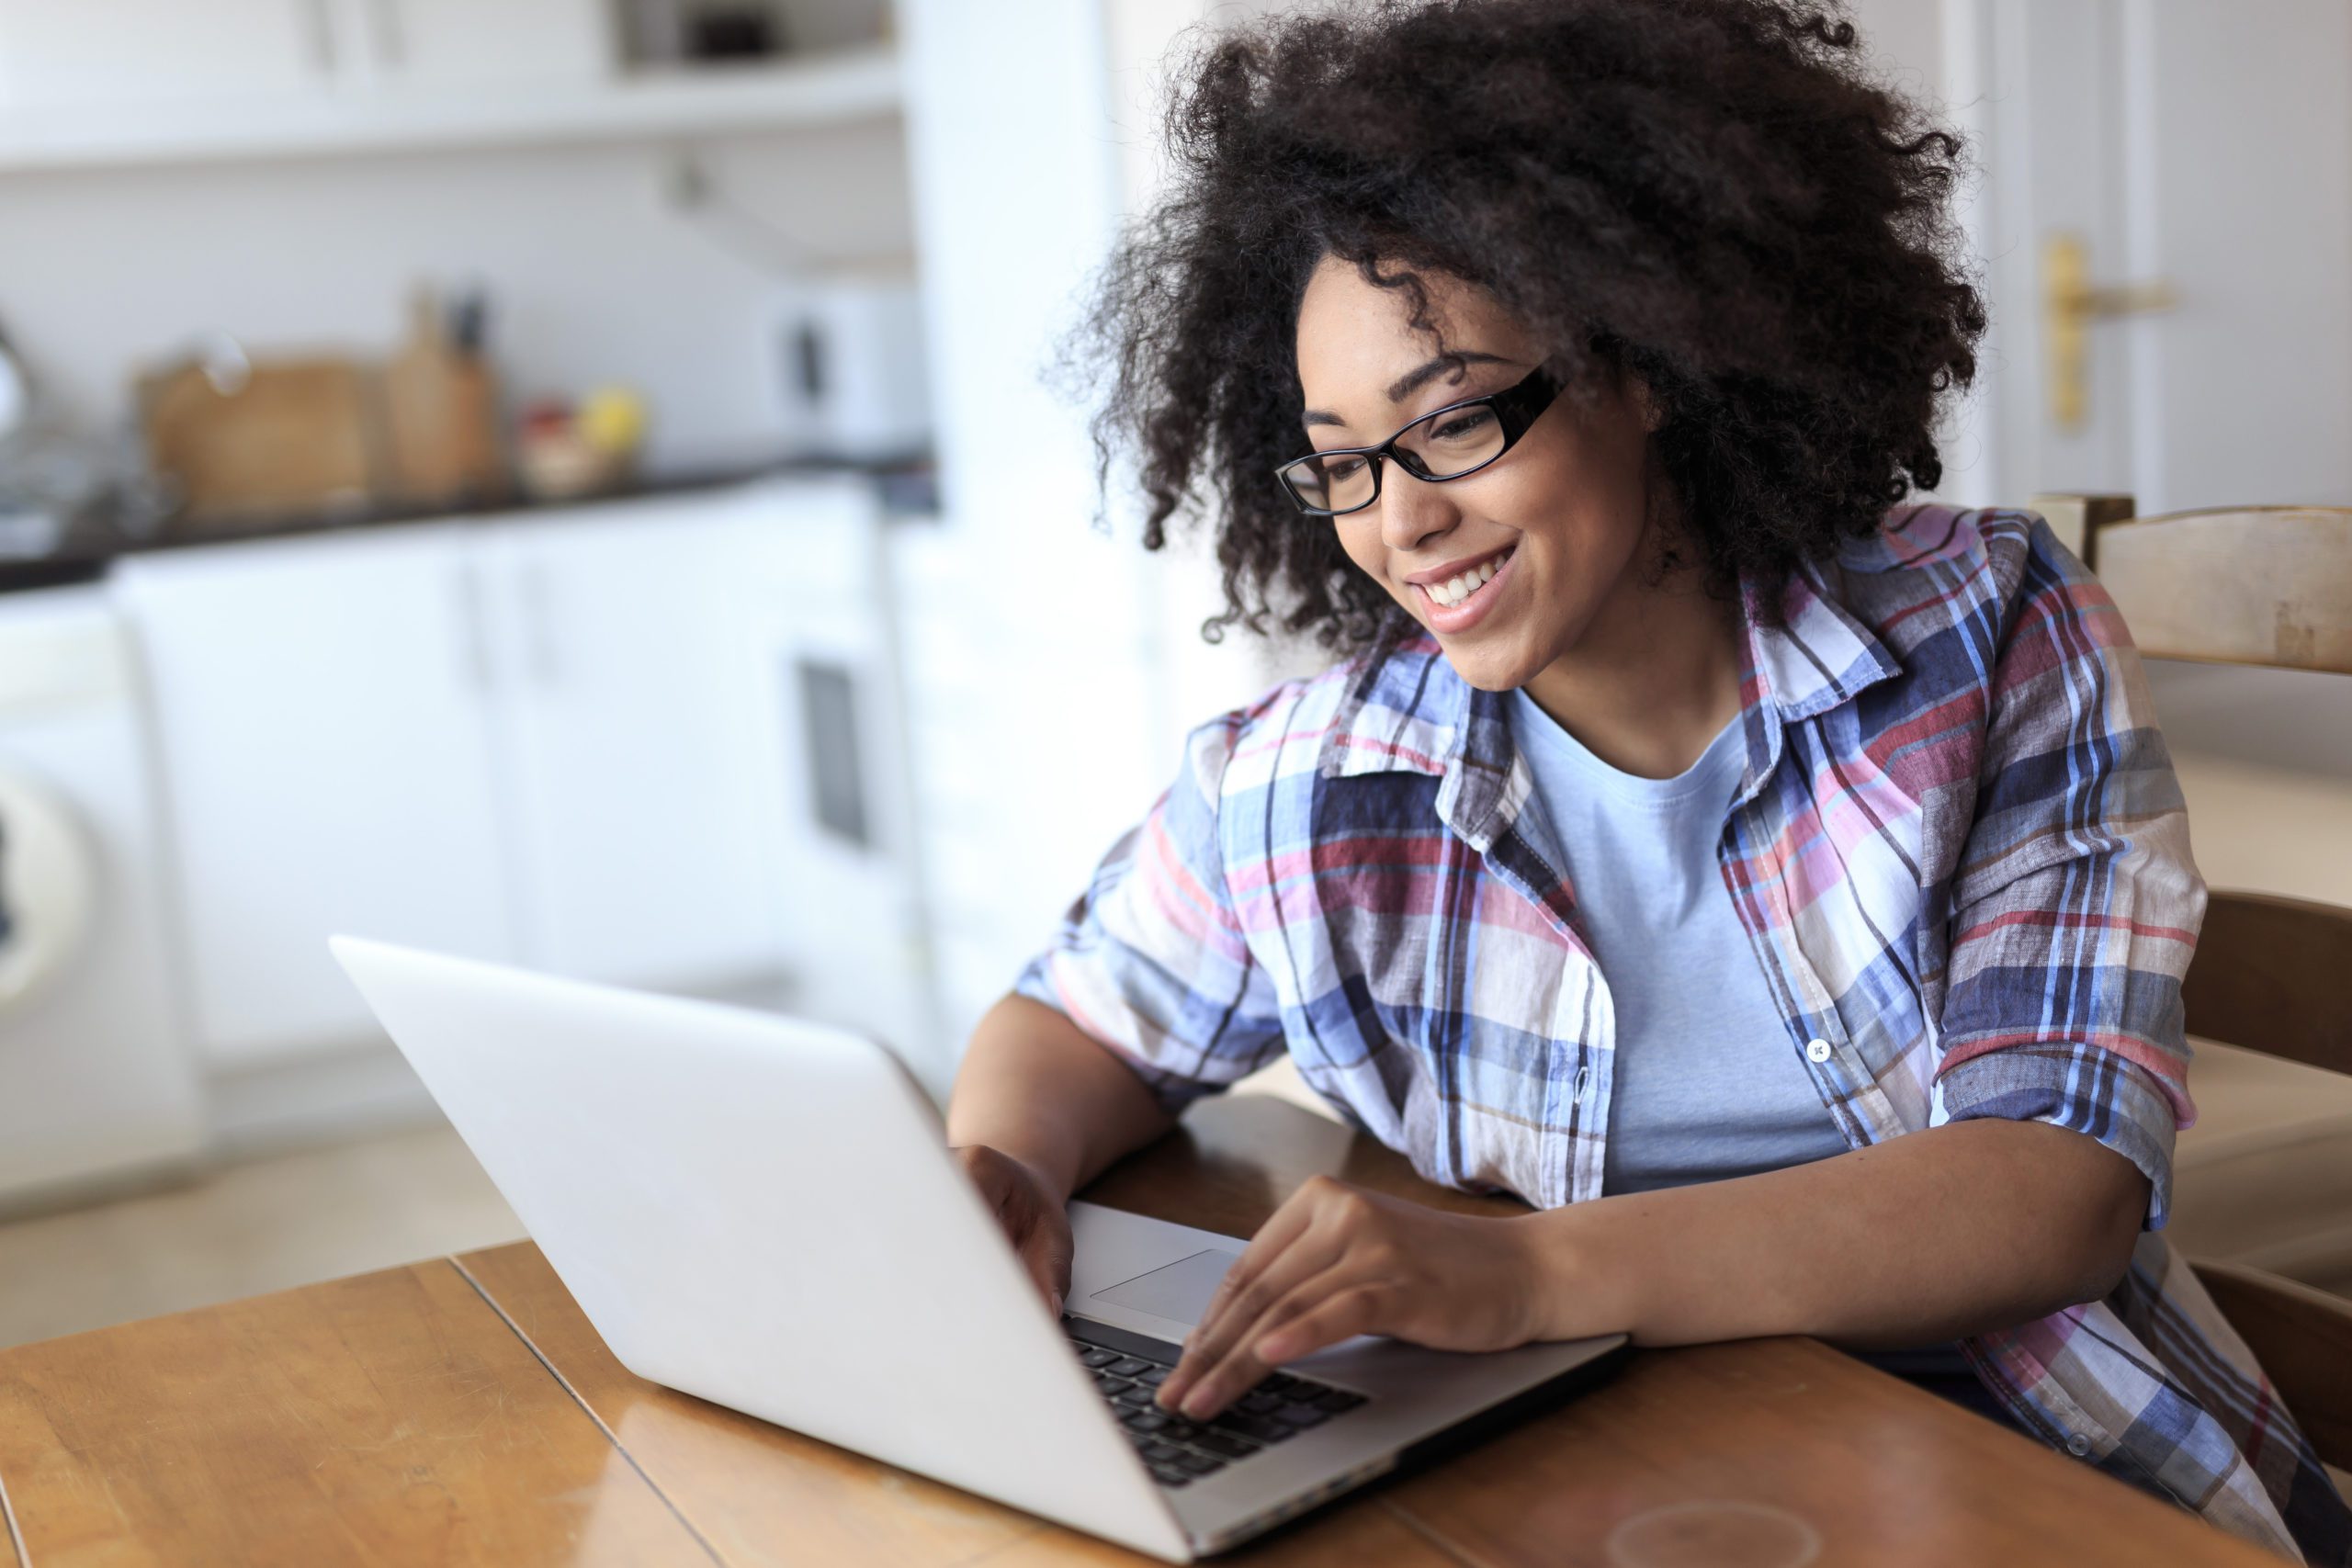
1443, 445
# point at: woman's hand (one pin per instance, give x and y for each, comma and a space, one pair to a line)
1337, 1261
1035, 1221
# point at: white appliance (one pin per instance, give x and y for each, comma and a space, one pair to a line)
850, 366
96, 1080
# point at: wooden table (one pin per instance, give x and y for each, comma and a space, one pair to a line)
463, 1412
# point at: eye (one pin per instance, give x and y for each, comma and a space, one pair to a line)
1463, 424
1335, 469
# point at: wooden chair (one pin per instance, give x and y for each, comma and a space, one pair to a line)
2237, 585
2270, 975
2269, 586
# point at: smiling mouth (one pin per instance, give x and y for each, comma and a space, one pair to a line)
1455, 590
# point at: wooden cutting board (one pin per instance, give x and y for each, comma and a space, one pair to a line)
297, 437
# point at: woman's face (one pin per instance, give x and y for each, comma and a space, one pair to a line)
1560, 515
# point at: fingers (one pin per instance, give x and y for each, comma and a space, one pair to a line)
1037, 1227
1048, 1253
1294, 1245
1343, 1314
1240, 1366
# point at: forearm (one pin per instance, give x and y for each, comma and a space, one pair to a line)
1956, 1230
1036, 1087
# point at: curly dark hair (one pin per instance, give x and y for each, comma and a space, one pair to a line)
1718, 195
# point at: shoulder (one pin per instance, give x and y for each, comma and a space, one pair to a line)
1963, 581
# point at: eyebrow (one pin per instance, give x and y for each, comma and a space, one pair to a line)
1412, 381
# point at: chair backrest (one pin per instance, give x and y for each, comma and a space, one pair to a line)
2273, 974
2235, 585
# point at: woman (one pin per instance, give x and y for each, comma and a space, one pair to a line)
1785, 895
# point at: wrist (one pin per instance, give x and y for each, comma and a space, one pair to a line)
1582, 1280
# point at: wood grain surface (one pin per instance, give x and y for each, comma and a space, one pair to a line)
466, 1412
392, 1417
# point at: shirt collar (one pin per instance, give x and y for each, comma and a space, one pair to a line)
1406, 711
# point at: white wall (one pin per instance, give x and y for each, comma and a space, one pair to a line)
594, 278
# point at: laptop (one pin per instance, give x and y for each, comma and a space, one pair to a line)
761, 1212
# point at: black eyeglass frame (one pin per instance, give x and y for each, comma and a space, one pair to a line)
1517, 408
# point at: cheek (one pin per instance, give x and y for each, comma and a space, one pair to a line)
1361, 539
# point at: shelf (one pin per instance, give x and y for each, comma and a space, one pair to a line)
846, 87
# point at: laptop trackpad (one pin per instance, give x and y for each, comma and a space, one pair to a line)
1179, 1291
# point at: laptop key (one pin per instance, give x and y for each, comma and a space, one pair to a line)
1258, 1428
1260, 1404
1134, 1393
1168, 1475
1160, 1453
1224, 1443
1154, 1376
1302, 1415
1109, 1384
1127, 1367
1337, 1400
1197, 1465
1096, 1358
1279, 1383
1145, 1421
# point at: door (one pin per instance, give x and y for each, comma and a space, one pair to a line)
640, 704
2194, 156
327, 766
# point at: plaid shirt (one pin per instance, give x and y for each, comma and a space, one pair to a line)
1958, 849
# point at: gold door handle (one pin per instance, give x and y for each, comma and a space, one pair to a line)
2070, 303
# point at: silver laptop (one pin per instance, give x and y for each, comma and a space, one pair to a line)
761, 1212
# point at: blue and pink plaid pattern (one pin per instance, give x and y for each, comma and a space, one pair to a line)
1959, 849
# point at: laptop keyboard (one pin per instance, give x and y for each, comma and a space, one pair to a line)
1128, 1370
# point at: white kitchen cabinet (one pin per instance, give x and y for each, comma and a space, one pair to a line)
639, 706
130, 54
134, 51
580, 740
452, 43
328, 766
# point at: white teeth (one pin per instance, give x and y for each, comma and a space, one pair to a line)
1454, 590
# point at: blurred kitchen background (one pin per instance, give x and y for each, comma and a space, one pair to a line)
571, 481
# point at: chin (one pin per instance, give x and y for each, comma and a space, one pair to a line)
1489, 668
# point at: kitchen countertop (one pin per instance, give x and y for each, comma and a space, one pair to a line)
910, 492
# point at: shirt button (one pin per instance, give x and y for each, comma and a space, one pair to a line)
2077, 1445
1816, 1050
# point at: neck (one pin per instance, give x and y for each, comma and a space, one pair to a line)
1653, 681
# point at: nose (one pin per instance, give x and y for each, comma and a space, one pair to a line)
1412, 510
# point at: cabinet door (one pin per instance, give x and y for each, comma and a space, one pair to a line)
641, 704
327, 766
127, 51
452, 42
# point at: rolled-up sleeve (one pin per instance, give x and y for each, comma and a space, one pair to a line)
2076, 905
1150, 961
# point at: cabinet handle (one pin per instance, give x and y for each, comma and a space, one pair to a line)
546, 667
475, 656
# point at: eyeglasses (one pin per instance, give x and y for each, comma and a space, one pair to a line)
1450, 444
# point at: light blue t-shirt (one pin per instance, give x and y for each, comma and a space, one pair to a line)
1707, 1083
